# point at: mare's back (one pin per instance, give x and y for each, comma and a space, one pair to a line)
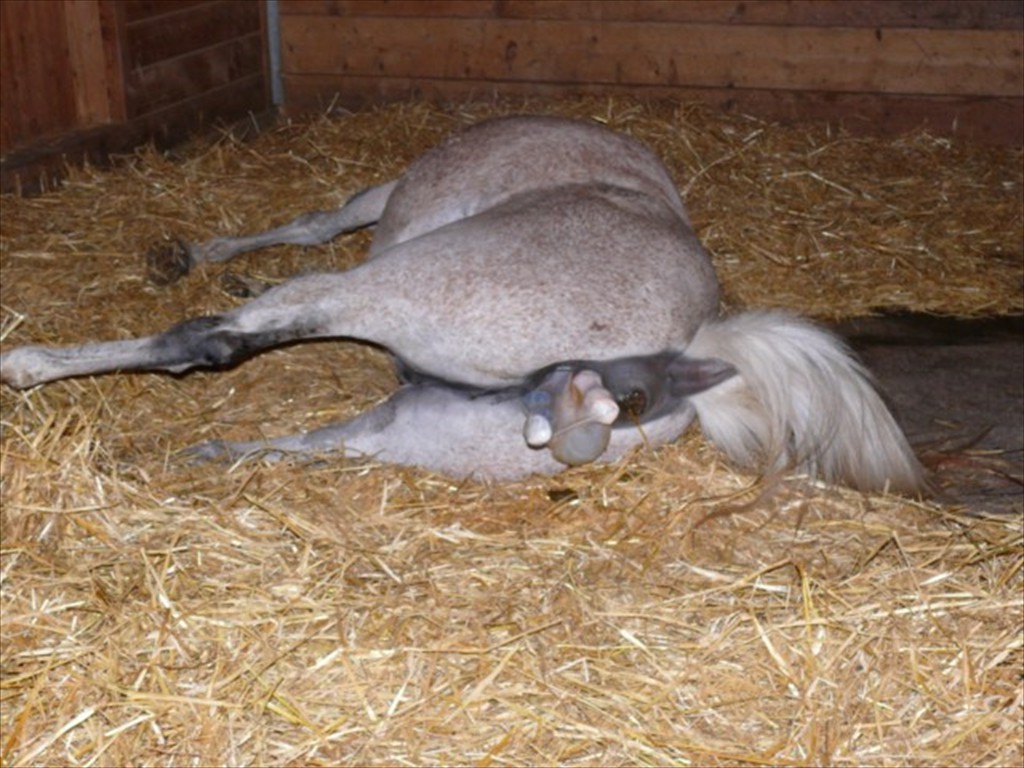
488, 163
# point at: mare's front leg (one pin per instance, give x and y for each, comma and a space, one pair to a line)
434, 427
463, 433
361, 210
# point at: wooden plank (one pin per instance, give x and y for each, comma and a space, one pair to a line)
35, 74
178, 122
176, 80
140, 10
165, 37
390, 8
39, 167
113, 24
911, 61
89, 71
988, 120
931, 14
183, 90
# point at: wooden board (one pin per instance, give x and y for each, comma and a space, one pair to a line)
844, 60
177, 80
955, 67
933, 14
988, 120
29, 61
181, 31
143, 10
944, 14
40, 166
85, 78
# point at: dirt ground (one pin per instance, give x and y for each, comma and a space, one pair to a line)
957, 386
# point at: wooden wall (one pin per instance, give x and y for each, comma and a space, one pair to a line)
37, 74
84, 78
880, 66
189, 59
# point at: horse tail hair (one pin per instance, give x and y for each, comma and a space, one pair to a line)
800, 401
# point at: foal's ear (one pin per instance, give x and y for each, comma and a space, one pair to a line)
690, 376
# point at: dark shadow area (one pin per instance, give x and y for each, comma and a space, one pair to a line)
957, 387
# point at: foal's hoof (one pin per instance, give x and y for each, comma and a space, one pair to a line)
572, 413
168, 262
581, 443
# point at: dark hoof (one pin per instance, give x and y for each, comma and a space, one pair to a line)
242, 287
168, 262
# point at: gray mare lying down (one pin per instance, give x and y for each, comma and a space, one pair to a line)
540, 284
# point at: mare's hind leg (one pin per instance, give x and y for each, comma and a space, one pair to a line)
361, 210
289, 312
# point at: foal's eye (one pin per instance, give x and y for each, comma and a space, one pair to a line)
633, 403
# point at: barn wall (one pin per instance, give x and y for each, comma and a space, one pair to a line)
191, 61
36, 83
84, 78
881, 66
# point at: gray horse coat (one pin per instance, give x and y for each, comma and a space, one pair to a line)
540, 281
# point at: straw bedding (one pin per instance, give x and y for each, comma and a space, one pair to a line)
662, 611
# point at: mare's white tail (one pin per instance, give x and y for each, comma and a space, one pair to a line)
800, 401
